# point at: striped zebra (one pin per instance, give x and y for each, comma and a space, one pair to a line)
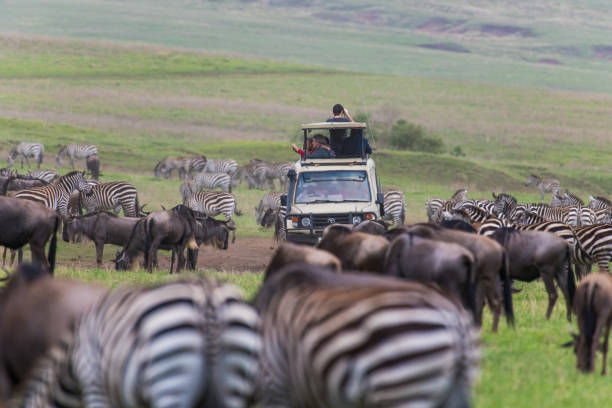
74, 151
46, 175
435, 206
270, 201
566, 199
560, 229
603, 216
280, 228
264, 172
596, 241
213, 203
503, 204
597, 203
25, 150
347, 340
395, 207
228, 166
57, 196
111, 196
544, 185
531, 213
183, 344
210, 181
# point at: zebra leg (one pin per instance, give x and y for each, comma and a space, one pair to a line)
71, 161
604, 263
26, 160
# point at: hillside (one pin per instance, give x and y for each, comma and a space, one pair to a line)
552, 44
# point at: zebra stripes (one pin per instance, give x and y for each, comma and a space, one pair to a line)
270, 201
598, 203
596, 242
57, 196
436, 206
46, 175
228, 166
344, 340
395, 206
25, 150
544, 185
183, 344
264, 172
213, 203
74, 151
112, 196
211, 181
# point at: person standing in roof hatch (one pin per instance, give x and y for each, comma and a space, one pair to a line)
340, 114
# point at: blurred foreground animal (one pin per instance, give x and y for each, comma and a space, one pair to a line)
35, 310
183, 344
346, 340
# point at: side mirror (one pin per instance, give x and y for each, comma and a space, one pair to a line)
283, 200
380, 198
291, 174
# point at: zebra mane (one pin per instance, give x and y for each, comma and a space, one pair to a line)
461, 191
574, 196
71, 173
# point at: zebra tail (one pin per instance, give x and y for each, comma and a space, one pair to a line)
148, 243
53, 247
589, 319
507, 290
238, 212
571, 279
138, 210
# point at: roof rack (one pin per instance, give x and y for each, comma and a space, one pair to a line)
334, 125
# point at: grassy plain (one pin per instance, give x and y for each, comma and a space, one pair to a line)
139, 104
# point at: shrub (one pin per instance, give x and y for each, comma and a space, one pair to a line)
457, 152
410, 136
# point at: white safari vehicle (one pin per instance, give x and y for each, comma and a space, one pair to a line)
341, 189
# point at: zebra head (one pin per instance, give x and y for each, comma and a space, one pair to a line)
81, 183
11, 157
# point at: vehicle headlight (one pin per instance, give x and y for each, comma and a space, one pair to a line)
305, 222
294, 221
356, 219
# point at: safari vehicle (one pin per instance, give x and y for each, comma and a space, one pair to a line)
342, 189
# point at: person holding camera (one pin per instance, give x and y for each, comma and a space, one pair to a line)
340, 114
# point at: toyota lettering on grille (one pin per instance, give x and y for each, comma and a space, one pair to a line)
331, 220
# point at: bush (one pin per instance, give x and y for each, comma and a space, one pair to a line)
457, 152
410, 136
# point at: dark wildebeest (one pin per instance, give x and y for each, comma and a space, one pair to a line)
460, 225
27, 222
102, 228
19, 182
288, 253
93, 165
35, 311
448, 265
173, 230
535, 254
491, 267
593, 309
356, 250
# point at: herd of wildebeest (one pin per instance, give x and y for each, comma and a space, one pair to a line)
377, 314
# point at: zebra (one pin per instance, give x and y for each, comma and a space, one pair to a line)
111, 196
46, 175
280, 228
531, 213
603, 216
544, 185
598, 203
270, 201
25, 150
245, 173
213, 203
395, 206
268, 172
183, 344
211, 181
57, 196
348, 340
596, 241
435, 206
228, 166
567, 199
503, 204
74, 151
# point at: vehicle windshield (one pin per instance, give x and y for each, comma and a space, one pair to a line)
332, 187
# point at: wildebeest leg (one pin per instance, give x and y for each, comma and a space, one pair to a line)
19, 257
4, 256
604, 369
561, 278
99, 252
180, 252
493, 295
172, 259
480, 303
551, 289
38, 254
153, 253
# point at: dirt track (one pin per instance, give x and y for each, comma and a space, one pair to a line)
246, 254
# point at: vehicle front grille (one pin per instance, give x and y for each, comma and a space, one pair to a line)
323, 220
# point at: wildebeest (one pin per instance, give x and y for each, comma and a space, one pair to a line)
35, 310
535, 254
19, 182
172, 229
102, 228
490, 262
448, 265
357, 250
27, 222
93, 165
593, 309
288, 253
